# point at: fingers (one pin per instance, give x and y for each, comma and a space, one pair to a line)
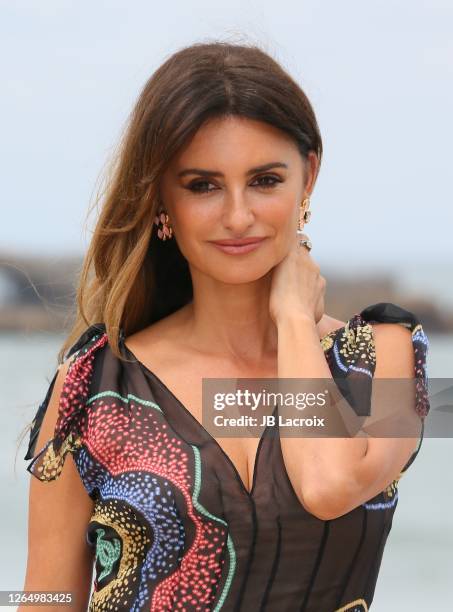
303, 241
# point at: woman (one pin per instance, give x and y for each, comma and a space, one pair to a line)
199, 268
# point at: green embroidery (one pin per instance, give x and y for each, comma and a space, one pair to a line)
124, 399
107, 552
202, 509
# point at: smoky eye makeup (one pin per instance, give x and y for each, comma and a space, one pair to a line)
265, 181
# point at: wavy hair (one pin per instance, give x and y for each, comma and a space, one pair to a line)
129, 278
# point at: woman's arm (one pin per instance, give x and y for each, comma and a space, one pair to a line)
59, 559
331, 476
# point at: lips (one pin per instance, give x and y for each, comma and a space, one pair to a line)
237, 242
238, 247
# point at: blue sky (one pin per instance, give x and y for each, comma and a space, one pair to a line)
379, 76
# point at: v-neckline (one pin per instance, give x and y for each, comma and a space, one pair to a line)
201, 427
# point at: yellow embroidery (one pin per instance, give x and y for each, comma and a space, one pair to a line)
358, 342
136, 543
49, 466
350, 606
326, 342
393, 486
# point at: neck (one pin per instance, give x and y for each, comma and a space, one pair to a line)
232, 320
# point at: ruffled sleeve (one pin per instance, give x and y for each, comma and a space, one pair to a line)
386, 312
353, 358
71, 420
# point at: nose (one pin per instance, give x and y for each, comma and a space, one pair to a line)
237, 215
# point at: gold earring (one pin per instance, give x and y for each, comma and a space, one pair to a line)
307, 213
305, 217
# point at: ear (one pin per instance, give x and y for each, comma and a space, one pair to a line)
311, 166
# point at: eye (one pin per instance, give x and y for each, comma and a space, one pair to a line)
197, 187
202, 186
273, 178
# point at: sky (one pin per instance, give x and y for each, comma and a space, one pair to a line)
379, 76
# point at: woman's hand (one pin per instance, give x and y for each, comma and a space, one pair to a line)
297, 285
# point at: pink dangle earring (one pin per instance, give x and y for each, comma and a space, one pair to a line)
164, 230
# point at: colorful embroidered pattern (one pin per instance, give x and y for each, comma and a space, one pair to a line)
145, 468
171, 528
130, 460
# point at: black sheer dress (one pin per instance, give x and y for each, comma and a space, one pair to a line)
173, 526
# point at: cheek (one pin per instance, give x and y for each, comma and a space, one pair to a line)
194, 216
193, 226
284, 221
282, 216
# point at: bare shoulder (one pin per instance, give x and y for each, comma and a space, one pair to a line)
394, 350
329, 324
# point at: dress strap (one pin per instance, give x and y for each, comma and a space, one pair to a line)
71, 411
387, 312
93, 331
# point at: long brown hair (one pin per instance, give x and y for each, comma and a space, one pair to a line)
130, 278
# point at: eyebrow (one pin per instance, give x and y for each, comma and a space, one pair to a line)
203, 172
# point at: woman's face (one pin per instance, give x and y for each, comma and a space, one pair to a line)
237, 178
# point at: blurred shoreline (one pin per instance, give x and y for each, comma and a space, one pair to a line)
38, 294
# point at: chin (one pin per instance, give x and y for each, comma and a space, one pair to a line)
239, 274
